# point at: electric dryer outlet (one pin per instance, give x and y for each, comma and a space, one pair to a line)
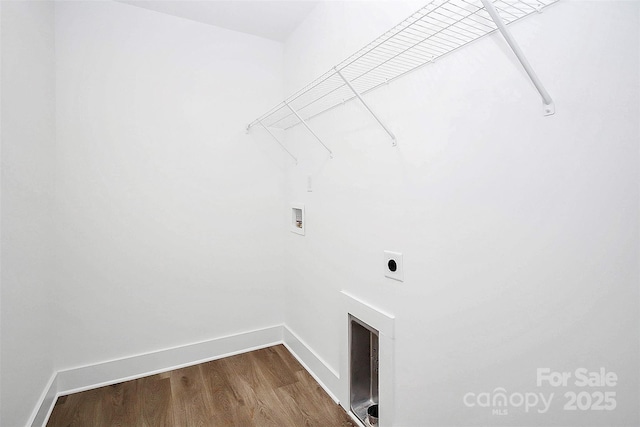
393, 266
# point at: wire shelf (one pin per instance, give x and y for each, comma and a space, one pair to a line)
435, 30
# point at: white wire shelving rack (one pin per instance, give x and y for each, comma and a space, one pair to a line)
437, 29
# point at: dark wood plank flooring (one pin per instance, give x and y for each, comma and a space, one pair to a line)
262, 388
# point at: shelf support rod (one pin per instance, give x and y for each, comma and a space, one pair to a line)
308, 128
549, 107
277, 140
394, 142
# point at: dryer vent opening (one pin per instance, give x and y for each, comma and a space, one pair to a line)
363, 371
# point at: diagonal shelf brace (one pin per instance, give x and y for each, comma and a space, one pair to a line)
549, 106
277, 140
308, 128
386, 129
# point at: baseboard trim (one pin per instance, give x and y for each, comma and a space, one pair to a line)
328, 378
115, 371
43, 410
130, 368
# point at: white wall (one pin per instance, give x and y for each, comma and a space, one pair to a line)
169, 227
28, 150
519, 231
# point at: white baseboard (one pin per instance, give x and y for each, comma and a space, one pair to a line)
115, 371
130, 368
328, 378
43, 410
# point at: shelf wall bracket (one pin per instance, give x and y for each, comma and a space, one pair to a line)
394, 142
308, 128
277, 140
548, 105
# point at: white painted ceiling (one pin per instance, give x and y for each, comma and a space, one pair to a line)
271, 19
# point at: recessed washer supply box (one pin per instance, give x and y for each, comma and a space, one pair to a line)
297, 218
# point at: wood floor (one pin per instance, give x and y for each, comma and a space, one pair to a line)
266, 387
